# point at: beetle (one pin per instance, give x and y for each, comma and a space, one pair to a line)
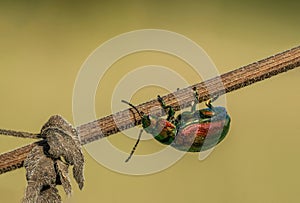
192, 131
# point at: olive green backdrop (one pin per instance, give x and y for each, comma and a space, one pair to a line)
43, 45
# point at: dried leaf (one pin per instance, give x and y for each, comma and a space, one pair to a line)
64, 180
49, 195
40, 172
45, 167
64, 142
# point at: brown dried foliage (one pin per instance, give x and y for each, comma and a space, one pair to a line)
230, 81
48, 162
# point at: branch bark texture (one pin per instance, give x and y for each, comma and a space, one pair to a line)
227, 82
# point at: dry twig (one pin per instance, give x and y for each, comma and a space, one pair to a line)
230, 81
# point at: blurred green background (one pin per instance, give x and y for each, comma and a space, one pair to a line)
43, 45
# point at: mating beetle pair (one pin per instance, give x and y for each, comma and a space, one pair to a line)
193, 131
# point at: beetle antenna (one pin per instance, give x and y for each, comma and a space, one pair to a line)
133, 149
126, 102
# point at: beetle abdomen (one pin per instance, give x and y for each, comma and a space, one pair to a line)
201, 136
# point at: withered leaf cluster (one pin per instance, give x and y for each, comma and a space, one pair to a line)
47, 164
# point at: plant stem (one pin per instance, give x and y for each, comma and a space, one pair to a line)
216, 86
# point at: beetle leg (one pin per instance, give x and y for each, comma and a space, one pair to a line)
208, 102
169, 109
196, 99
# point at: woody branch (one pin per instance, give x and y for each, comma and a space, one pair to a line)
227, 82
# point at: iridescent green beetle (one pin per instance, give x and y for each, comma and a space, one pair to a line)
193, 131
